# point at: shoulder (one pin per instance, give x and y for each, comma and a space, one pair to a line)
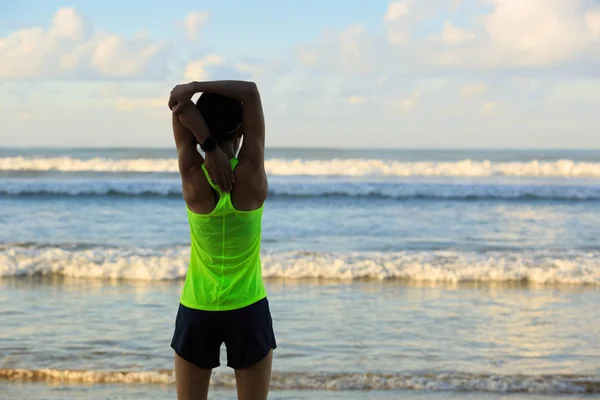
251, 179
196, 189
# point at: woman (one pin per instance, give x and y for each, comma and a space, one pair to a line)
223, 298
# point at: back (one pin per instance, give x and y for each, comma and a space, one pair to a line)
225, 270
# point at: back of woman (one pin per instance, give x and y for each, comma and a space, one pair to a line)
224, 298
225, 270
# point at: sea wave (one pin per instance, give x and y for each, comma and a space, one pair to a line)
442, 382
114, 263
333, 167
383, 190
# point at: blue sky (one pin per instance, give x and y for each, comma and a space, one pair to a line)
235, 26
408, 73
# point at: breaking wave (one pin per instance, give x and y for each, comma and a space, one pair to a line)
384, 190
117, 263
443, 382
334, 167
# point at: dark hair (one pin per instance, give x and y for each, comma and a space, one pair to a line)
223, 115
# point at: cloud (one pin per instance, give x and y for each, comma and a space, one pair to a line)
532, 34
403, 18
430, 57
345, 51
24, 117
473, 89
449, 38
307, 57
453, 35
490, 108
592, 20
356, 100
199, 70
434, 73
108, 90
397, 10
129, 104
115, 56
396, 18
405, 104
66, 51
249, 69
67, 24
194, 22
536, 33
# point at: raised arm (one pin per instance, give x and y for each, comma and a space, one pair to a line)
187, 155
189, 118
253, 147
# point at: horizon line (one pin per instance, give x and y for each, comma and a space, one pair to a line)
309, 148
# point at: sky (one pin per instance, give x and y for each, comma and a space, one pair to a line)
351, 74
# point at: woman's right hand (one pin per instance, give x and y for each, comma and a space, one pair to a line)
219, 169
182, 93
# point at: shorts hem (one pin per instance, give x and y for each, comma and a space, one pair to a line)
193, 362
254, 361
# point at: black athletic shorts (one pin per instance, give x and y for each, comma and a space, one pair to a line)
247, 333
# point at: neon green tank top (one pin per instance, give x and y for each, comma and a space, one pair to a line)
225, 271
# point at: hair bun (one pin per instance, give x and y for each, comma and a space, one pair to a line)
223, 115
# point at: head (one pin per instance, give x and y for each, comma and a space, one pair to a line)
223, 116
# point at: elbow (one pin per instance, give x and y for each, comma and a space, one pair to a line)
252, 87
251, 91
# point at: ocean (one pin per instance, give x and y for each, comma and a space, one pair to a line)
392, 274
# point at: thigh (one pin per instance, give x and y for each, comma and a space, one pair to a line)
253, 382
192, 381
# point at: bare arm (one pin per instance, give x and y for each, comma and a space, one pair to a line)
217, 164
253, 147
189, 159
194, 186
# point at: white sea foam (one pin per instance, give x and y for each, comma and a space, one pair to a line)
98, 164
334, 167
465, 168
172, 188
463, 382
538, 267
101, 262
